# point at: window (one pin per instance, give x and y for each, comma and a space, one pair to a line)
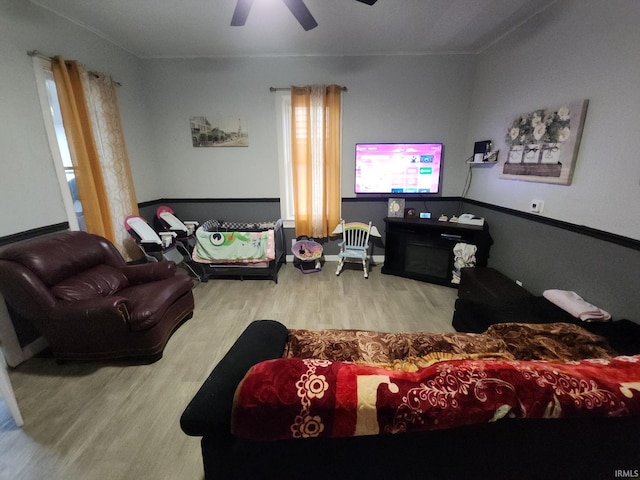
283, 117
58, 143
310, 200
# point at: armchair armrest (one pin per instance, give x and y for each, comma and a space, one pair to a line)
209, 412
24, 291
88, 310
149, 272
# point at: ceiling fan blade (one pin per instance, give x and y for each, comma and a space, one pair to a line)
241, 13
368, 2
302, 13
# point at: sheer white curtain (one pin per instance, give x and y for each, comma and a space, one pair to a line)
102, 102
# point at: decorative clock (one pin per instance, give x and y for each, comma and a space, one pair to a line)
410, 212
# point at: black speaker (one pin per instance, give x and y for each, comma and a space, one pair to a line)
481, 150
483, 147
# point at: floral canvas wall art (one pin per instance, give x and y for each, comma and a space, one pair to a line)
543, 144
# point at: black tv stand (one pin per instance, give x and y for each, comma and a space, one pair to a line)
422, 249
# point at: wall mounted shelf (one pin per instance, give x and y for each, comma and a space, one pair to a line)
481, 164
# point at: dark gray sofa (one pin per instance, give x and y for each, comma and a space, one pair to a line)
525, 449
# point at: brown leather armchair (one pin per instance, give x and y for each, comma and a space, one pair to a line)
78, 291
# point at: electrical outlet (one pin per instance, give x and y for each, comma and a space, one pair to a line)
536, 206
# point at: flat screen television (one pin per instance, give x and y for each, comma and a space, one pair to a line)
399, 168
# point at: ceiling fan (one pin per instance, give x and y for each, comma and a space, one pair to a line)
297, 7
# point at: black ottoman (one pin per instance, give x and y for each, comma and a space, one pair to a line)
487, 297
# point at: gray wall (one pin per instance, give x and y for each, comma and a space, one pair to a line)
29, 191
576, 49
545, 256
570, 51
389, 99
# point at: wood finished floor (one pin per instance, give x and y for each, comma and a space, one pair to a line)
98, 420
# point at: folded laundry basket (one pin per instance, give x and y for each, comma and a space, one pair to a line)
307, 255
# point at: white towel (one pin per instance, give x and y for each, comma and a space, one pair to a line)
464, 256
576, 306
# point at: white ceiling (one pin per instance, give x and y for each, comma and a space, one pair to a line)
201, 28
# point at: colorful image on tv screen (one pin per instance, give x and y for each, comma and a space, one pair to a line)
412, 168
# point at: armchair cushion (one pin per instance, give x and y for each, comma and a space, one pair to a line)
57, 257
149, 301
101, 280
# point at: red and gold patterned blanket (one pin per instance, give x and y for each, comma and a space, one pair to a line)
301, 398
348, 382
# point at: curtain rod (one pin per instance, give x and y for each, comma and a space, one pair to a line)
278, 89
36, 53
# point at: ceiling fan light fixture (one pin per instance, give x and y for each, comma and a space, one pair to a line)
241, 13
297, 8
302, 14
